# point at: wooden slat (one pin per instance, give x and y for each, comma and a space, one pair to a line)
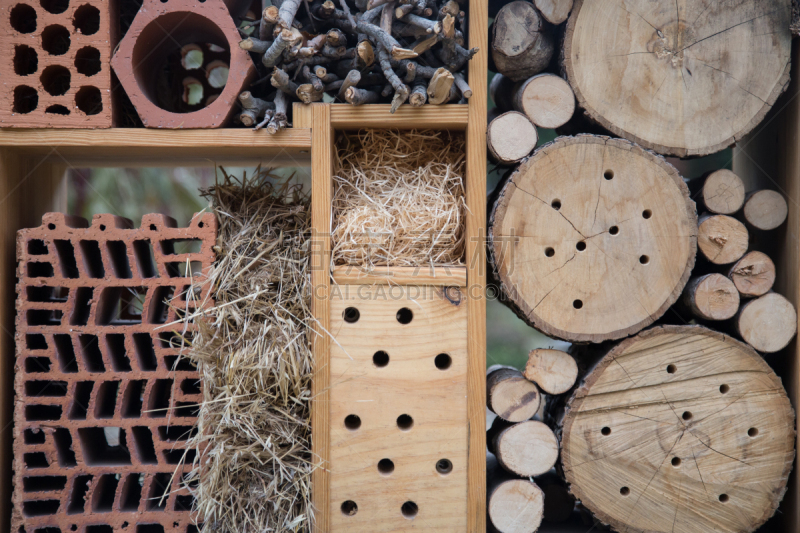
440, 276
444, 117
321, 198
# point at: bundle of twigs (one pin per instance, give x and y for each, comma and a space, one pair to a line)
253, 468
399, 199
390, 50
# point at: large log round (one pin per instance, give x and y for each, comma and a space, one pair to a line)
679, 429
592, 238
679, 77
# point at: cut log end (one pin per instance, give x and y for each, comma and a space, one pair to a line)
521, 45
511, 137
767, 323
766, 209
723, 192
553, 371
753, 275
554, 11
546, 99
511, 396
516, 506
527, 449
722, 239
712, 297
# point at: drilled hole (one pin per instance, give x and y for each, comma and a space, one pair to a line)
724, 389
405, 422
724, 498
614, 230
55, 6
577, 304
56, 79
443, 361
352, 422
606, 431
26, 99
608, 174
404, 315
644, 259
380, 359
647, 214
351, 315
556, 204
87, 61
349, 508
86, 20
624, 491
409, 510
581, 246
549, 252
51, 226
385, 466
26, 60
23, 18
752, 432
444, 466
55, 40
671, 369
89, 100
676, 462
686, 415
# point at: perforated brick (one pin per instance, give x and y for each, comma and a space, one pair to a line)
104, 402
55, 63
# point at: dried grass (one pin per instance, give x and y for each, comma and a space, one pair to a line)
253, 468
399, 199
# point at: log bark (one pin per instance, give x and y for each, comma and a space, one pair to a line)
521, 42
753, 275
767, 323
553, 371
554, 11
722, 239
501, 90
721, 192
546, 99
674, 412
645, 71
711, 297
513, 505
765, 209
526, 449
511, 137
572, 218
510, 396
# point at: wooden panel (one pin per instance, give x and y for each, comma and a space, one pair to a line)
444, 117
440, 276
410, 383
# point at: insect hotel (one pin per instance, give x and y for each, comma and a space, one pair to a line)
399, 265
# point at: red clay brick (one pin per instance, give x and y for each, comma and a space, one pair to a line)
56, 59
87, 361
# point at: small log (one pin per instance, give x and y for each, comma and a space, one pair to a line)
269, 18
526, 449
191, 57
351, 80
711, 297
513, 505
439, 86
357, 96
554, 11
419, 94
765, 209
721, 192
365, 53
510, 396
255, 45
553, 371
511, 137
753, 275
462, 85
217, 73
279, 119
767, 323
501, 90
722, 239
547, 99
252, 108
521, 45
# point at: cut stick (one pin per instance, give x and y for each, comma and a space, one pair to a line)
526, 449
554, 11
511, 137
711, 297
753, 275
722, 239
521, 45
765, 209
553, 371
721, 192
546, 99
513, 505
767, 323
509, 395
439, 86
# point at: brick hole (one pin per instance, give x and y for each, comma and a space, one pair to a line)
35, 460
98, 452
92, 259
121, 306
65, 353
190, 386
34, 508
145, 351
43, 483
23, 18
66, 256
89, 100
191, 528
45, 293
64, 451
47, 530
118, 253
101, 528
82, 307
35, 365
26, 62
37, 247
55, 39
176, 433
186, 409
87, 61
39, 413
115, 345
35, 341
80, 400
149, 528
131, 493
44, 317
104, 493
34, 436
184, 502
26, 99
57, 109
40, 270
132, 399
145, 261
184, 269
159, 305
56, 80
158, 402
46, 388
106, 401
159, 492
90, 353
55, 6
143, 442
77, 498
175, 457
181, 246
86, 20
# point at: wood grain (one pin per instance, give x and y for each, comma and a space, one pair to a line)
444, 117
440, 276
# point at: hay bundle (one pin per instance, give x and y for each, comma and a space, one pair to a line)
253, 468
399, 199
